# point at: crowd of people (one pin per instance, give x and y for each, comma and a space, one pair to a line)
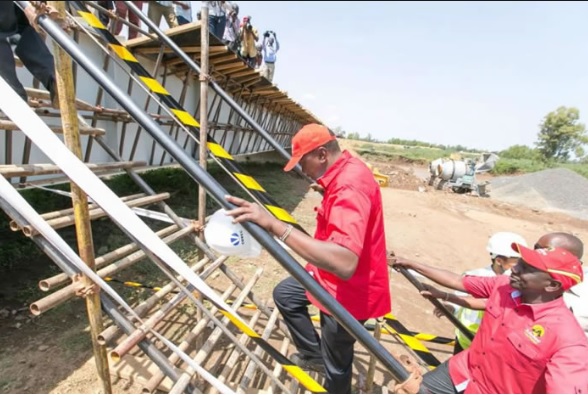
224, 23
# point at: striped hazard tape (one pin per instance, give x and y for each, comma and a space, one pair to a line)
120, 212
413, 343
224, 158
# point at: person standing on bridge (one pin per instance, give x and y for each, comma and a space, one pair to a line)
31, 50
346, 256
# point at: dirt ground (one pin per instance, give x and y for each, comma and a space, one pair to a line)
45, 355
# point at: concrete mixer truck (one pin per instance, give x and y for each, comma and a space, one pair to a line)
460, 175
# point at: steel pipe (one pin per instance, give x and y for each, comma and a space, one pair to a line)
218, 193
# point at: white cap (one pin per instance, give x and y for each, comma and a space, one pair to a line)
500, 244
227, 238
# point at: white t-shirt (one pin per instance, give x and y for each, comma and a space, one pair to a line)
187, 14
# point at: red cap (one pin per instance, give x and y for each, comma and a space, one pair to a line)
306, 140
561, 264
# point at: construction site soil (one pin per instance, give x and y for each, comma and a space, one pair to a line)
51, 354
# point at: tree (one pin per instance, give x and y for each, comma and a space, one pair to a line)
561, 134
339, 132
519, 152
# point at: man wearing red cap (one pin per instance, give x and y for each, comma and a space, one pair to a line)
347, 254
529, 341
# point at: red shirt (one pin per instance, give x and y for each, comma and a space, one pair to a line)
521, 348
351, 215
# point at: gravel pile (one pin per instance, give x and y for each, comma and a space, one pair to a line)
552, 189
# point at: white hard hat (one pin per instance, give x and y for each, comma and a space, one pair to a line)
227, 238
500, 244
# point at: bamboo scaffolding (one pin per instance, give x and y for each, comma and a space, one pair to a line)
44, 169
109, 334
9, 125
229, 365
247, 378
221, 328
156, 379
68, 268
68, 292
60, 213
131, 341
67, 220
58, 280
65, 86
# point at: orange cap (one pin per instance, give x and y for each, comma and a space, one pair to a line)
307, 139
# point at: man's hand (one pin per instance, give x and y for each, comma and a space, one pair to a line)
430, 291
316, 187
398, 262
31, 14
247, 211
32, 11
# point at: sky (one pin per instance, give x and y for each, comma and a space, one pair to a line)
479, 74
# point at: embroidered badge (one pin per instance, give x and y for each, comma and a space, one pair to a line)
535, 333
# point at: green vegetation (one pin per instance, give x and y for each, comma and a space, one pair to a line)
561, 142
23, 264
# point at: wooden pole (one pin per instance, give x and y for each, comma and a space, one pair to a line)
66, 90
203, 118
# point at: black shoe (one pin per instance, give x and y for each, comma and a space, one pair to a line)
308, 363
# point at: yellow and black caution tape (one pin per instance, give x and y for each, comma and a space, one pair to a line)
392, 324
134, 284
224, 158
427, 337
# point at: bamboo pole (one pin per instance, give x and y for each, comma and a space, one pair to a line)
43, 169
69, 119
62, 278
60, 213
202, 153
67, 292
67, 220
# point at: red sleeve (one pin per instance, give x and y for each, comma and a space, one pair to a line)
480, 287
348, 218
567, 371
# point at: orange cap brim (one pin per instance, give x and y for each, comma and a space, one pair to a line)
292, 163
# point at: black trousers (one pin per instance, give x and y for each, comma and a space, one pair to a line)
438, 381
334, 346
31, 49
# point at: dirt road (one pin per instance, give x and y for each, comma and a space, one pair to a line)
440, 228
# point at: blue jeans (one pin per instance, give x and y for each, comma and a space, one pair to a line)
216, 25
182, 20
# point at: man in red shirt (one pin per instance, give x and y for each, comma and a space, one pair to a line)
347, 254
529, 341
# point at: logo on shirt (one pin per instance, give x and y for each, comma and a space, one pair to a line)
535, 333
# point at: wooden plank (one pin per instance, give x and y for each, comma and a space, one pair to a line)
84, 130
42, 169
229, 66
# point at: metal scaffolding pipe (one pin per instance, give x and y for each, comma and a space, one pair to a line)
218, 193
68, 292
61, 278
216, 87
108, 306
143, 308
67, 220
